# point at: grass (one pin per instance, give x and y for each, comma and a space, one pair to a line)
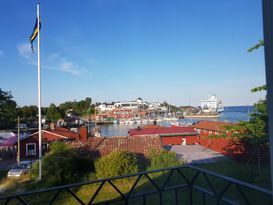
242, 172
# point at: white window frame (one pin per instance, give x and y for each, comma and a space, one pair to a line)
34, 152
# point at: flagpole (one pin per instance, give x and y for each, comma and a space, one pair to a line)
39, 94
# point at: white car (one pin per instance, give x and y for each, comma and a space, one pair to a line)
19, 170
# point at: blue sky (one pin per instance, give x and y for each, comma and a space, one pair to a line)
175, 50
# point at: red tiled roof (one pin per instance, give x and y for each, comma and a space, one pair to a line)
101, 146
162, 131
151, 126
67, 133
211, 125
61, 129
56, 134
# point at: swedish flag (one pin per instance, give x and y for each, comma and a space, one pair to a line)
35, 33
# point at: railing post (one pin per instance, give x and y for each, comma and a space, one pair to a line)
268, 52
190, 192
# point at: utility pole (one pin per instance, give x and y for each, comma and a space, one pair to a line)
18, 140
95, 114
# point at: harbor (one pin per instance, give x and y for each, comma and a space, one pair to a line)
230, 114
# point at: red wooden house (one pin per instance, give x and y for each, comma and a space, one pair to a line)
29, 146
169, 135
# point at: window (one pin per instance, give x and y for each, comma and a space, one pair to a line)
30, 149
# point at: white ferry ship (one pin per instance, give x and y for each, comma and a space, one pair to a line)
211, 105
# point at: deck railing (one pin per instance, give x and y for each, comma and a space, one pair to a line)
177, 185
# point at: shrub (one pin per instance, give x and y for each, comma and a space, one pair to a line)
115, 164
162, 159
64, 165
57, 147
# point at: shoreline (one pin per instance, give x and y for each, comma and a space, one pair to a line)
201, 116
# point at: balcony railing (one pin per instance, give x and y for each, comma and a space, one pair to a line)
178, 185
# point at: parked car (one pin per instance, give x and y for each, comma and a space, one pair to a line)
21, 169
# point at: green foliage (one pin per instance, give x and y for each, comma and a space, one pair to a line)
257, 46
7, 110
162, 159
83, 107
28, 114
64, 165
115, 164
59, 147
255, 131
53, 114
258, 89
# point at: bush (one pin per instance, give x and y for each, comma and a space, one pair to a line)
64, 165
162, 159
115, 164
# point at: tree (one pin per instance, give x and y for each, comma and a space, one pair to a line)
53, 113
255, 131
7, 110
115, 164
64, 165
162, 159
83, 107
28, 114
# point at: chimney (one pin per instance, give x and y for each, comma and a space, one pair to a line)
83, 131
52, 126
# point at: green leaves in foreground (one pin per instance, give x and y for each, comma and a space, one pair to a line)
115, 164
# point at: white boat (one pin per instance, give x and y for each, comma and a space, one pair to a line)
158, 121
145, 121
115, 121
131, 121
220, 110
122, 122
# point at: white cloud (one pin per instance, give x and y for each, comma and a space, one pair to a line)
70, 67
53, 61
24, 50
53, 56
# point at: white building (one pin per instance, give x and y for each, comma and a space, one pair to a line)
156, 106
131, 105
105, 107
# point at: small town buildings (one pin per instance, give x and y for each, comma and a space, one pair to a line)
131, 106
169, 135
29, 146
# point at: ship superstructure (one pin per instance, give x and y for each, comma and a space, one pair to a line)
211, 105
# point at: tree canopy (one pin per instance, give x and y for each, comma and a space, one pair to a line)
255, 131
7, 110
82, 107
53, 113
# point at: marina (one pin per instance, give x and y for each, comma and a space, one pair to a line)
230, 114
